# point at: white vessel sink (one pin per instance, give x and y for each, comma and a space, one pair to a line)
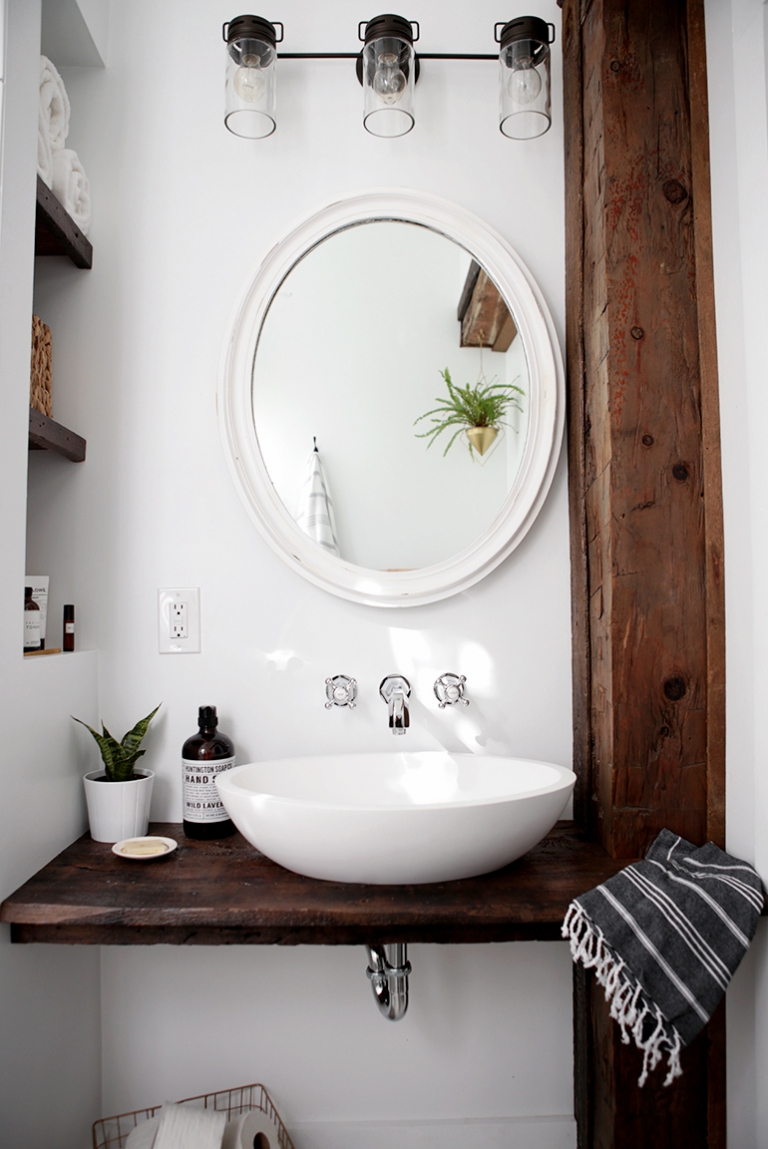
395, 818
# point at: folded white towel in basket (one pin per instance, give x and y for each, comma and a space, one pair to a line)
54, 104
44, 153
71, 187
183, 1127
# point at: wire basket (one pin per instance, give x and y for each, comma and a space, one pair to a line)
113, 1132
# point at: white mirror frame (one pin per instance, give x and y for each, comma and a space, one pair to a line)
546, 397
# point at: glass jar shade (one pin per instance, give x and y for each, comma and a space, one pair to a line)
250, 87
388, 67
525, 89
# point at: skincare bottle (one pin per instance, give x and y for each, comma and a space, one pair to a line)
68, 638
31, 621
204, 756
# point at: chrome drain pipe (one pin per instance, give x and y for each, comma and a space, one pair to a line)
388, 969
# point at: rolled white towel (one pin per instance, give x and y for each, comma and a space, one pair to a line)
54, 104
182, 1127
44, 153
71, 187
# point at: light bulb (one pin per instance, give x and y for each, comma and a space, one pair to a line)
388, 81
525, 82
249, 82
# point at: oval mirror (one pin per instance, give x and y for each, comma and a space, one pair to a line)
391, 399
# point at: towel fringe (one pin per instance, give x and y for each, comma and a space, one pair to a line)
630, 1008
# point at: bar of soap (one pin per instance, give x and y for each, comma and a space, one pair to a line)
137, 848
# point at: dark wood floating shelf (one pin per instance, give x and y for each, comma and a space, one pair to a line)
226, 893
56, 233
47, 435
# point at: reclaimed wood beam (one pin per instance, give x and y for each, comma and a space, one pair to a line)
484, 316
645, 503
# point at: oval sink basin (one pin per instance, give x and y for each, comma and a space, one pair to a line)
395, 818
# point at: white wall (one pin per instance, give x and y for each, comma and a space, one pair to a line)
49, 995
736, 34
183, 213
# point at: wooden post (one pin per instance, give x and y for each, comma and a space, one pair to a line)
646, 514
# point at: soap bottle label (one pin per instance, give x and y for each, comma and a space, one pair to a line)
200, 796
31, 629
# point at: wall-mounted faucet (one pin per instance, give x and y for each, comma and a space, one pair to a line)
396, 690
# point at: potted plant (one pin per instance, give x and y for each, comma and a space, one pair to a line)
475, 410
118, 796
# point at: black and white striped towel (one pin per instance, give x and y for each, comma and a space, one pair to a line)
664, 937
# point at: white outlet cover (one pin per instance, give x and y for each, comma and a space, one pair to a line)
168, 597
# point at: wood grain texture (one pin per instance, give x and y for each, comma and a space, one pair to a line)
641, 431
56, 233
585, 811
47, 435
486, 321
225, 893
646, 507
710, 422
620, 1115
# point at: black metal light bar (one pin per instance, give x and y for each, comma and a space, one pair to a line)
388, 67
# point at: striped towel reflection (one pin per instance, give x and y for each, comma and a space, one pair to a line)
664, 937
315, 513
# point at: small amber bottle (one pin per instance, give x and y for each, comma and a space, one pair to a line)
204, 756
68, 637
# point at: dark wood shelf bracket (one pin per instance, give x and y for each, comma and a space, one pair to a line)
47, 435
56, 233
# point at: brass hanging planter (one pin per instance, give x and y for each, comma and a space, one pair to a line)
481, 438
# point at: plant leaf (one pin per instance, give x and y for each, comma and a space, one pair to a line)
123, 770
133, 739
105, 744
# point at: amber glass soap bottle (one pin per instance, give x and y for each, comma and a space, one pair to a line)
204, 756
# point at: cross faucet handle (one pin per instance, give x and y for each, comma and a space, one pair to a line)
449, 690
340, 691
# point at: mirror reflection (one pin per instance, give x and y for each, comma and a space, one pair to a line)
378, 336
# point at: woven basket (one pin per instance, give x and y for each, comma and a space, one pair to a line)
40, 380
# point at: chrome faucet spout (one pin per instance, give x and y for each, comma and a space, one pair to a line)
396, 690
399, 717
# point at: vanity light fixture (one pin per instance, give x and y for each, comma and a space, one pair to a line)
525, 109
388, 69
250, 83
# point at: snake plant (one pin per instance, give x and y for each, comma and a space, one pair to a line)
119, 758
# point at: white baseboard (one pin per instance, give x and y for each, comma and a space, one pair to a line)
493, 1133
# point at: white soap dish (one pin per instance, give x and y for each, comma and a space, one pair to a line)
145, 849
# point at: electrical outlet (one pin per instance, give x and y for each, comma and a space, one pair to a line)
178, 620
178, 612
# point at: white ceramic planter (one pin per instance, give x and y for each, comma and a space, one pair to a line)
118, 810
